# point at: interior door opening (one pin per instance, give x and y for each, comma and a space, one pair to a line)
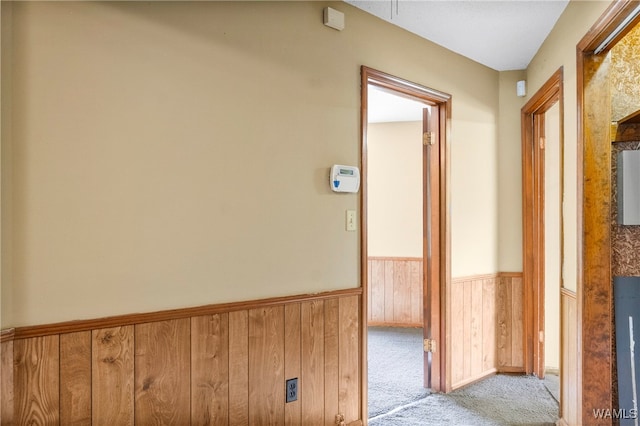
543, 232
405, 262
395, 249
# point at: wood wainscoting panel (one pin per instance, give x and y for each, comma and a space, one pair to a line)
504, 329
467, 320
477, 321
517, 322
472, 329
112, 369
162, 372
239, 368
395, 291
75, 378
312, 362
510, 325
569, 357
376, 291
331, 360
292, 360
489, 324
210, 369
457, 333
6, 378
486, 326
349, 356
37, 380
266, 366
221, 368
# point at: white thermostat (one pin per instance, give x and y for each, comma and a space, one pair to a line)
344, 178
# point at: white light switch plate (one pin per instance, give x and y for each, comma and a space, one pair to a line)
351, 220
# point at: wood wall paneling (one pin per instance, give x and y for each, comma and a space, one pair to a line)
416, 286
162, 373
292, 360
596, 288
486, 327
377, 292
6, 378
75, 378
489, 324
312, 363
395, 291
112, 367
225, 368
467, 304
239, 368
569, 358
517, 321
457, 333
402, 292
349, 352
210, 370
331, 361
266, 366
389, 292
37, 380
476, 327
503, 302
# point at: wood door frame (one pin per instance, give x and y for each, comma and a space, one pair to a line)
533, 209
438, 267
594, 281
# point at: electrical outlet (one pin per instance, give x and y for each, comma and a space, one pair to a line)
292, 390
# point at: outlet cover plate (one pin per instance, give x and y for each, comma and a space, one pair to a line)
292, 390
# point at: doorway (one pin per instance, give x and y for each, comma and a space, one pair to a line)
542, 159
434, 240
394, 251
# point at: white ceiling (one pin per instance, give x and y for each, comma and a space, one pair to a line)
383, 106
501, 34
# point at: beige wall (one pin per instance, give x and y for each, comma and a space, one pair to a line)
510, 174
559, 50
5, 165
474, 187
394, 189
166, 155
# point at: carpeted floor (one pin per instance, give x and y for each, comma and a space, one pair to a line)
395, 368
396, 396
552, 382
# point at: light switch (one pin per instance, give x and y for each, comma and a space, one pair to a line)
351, 220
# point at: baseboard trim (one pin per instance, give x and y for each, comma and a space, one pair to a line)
394, 324
394, 258
511, 370
140, 318
494, 275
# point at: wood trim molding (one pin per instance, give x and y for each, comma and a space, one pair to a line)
437, 265
213, 369
594, 298
404, 87
511, 370
7, 335
132, 319
396, 258
533, 209
615, 14
568, 293
487, 276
